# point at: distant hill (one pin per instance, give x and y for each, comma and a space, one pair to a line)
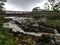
29, 13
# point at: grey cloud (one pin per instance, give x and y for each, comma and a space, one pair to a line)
24, 4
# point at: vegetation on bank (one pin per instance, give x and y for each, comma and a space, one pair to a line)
53, 22
6, 38
3, 20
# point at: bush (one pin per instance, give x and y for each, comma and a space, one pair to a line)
37, 17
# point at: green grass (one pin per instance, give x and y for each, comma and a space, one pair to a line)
53, 22
6, 38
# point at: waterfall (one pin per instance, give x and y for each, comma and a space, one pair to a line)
56, 32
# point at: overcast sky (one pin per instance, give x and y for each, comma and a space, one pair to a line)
23, 5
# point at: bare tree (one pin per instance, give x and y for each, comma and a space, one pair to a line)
55, 4
46, 6
1, 5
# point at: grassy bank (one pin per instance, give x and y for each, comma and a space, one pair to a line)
53, 22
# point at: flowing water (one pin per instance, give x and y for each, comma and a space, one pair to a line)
16, 28
56, 32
